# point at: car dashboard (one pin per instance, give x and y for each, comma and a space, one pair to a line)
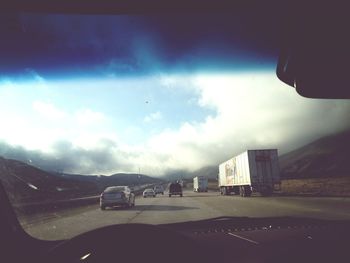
271, 239
214, 240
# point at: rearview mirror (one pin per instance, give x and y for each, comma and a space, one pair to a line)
315, 54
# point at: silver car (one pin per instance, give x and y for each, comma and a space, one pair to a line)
158, 189
117, 196
149, 192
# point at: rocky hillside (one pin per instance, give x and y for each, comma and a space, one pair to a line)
103, 181
26, 183
325, 157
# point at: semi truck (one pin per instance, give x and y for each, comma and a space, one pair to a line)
200, 184
250, 171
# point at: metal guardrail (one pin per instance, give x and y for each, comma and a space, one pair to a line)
44, 206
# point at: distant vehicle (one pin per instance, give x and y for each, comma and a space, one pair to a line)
253, 170
158, 189
175, 189
148, 192
200, 184
117, 196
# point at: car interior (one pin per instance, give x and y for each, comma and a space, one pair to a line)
314, 53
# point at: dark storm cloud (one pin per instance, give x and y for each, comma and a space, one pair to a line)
67, 158
62, 44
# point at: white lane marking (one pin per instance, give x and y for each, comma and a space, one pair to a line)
246, 239
85, 257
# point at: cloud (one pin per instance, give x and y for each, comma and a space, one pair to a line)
35, 75
155, 116
89, 117
252, 111
65, 157
37, 124
247, 111
48, 110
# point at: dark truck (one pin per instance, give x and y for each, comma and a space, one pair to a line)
175, 189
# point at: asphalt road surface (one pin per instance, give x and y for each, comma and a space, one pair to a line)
192, 206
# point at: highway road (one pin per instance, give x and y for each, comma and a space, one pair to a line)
193, 206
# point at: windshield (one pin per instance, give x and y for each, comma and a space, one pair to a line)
95, 101
115, 189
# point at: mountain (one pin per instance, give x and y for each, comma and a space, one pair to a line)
211, 172
25, 182
325, 157
103, 181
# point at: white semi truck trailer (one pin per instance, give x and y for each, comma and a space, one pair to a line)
200, 184
251, 171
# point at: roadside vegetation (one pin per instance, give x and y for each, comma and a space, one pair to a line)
328, 186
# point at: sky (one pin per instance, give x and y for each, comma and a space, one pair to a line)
100, 95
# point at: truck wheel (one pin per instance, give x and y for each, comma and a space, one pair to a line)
236, 190
224, 192
241, 191
247, 190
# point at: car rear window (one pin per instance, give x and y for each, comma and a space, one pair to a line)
114, 189
175, 187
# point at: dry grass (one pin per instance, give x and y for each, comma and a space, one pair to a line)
329, 186
213, 186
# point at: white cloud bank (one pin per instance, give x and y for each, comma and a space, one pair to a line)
153, 117
252, 111
48, 110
